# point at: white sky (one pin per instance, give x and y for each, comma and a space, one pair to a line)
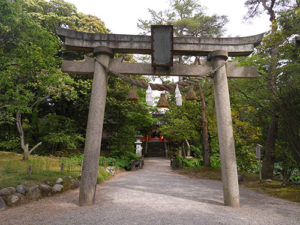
121, 16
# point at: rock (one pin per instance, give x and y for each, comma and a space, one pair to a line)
75, 183
268, 180
7, 191
2, 204
240, 178
21, 197
111, 170
15, 199
57, 188
45, 189
59, 180
34, 193
21, 189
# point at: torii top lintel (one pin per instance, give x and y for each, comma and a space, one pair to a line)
141, 44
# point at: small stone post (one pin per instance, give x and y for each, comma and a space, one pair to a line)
94, 128
225, 130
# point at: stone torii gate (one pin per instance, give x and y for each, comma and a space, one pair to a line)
104, 46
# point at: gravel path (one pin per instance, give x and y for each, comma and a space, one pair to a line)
155, 195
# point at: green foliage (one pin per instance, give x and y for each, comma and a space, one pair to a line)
14, 170
182, 122
192, 163
188, 18
215, 160
276, 91
286, 163
123, 158
10, 144
102, 176
59, 132
125, 119
197, 151
107, 161
295, 176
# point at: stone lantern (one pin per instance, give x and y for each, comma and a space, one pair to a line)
138, 147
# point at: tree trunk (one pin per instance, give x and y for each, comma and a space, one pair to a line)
269, 159
25, 147
206, 153
25, 154
188, 152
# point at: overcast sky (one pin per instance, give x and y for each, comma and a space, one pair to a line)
121, 16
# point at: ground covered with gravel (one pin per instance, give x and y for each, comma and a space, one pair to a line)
155, 195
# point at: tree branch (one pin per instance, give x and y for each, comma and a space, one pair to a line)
39, 101
20, 129
36, 146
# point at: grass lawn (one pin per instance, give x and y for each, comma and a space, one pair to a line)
14, 170
251, 181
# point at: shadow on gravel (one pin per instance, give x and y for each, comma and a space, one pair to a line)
170, 193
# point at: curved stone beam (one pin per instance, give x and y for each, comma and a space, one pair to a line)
141, 44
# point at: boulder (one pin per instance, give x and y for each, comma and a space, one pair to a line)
45, 189
21, 189
12, 200
7, 191
59, 180
15, 199
34, 193
75, 183
21, 197
2, 204
57, 188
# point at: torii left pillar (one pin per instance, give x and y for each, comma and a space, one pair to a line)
225, 130
94, 127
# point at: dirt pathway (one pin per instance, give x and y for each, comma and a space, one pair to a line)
155, 195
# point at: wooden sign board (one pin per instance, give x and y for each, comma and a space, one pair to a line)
162, 46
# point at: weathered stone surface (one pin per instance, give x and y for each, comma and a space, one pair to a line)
94, 132
225, 131
15, 199
59, 180
57, 188
34, 193
75, 184
268, 180
111, 170
239, 46
87, 67
7, 191
45, 189
2, 204
21, 189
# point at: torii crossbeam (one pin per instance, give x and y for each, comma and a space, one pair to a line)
104, 46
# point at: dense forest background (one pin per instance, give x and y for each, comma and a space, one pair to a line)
44, 111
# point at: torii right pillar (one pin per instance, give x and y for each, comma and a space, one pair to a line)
225, 130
